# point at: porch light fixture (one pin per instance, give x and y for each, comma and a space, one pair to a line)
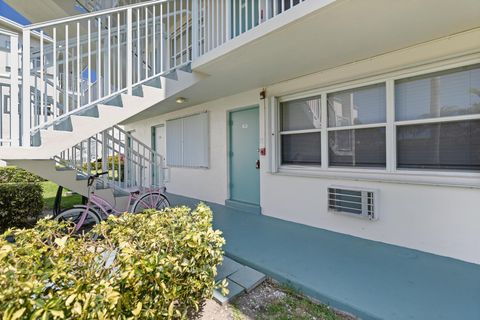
181, 100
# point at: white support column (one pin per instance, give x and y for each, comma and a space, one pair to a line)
195, 26
324, 133
15, 119
25, 110
104, 151
390, 133
273, 139
162, 41
55, 78
129, 51
228, 21
79, 71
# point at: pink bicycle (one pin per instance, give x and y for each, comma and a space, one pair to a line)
85, 217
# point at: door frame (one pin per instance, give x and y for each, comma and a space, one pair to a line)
153, 143
229, 201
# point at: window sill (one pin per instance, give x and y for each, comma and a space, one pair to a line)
447, 179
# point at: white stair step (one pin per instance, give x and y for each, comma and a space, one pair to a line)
52, 142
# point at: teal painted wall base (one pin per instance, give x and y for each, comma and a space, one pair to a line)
243, 206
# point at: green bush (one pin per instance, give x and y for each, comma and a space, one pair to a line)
20, 204
115, 166
147, 266
113, 162
15, 175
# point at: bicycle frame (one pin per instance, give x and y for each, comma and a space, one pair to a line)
94, 201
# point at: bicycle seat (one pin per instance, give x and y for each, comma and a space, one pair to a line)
133, 190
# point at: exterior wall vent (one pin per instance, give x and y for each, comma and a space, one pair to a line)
357, 202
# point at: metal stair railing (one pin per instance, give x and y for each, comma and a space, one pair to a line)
121, 47
130, 163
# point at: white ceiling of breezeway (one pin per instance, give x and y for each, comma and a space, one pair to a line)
342, 32
307, 39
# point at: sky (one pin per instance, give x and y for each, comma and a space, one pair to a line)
10, 13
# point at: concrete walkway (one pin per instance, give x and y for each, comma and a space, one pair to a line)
369, 279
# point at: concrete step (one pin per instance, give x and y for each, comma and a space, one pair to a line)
240, 278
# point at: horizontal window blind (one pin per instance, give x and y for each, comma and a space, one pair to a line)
445, 110
188, 141
300, 131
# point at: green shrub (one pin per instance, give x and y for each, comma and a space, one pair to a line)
20, 204
163, 267
115, 166
15, 175
113, 162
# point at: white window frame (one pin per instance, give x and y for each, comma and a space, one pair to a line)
292, 132
355, 127
391, 173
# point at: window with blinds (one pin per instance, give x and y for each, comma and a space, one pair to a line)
357, 127
188, 141
438, 120
300, 131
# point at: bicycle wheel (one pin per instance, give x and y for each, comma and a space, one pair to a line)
74, 215
154, 200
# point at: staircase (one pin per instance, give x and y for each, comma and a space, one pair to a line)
130, 163
85, 122
81, 77
73, 80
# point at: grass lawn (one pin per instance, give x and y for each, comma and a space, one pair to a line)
50, 191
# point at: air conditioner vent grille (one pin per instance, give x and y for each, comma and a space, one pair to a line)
353, 201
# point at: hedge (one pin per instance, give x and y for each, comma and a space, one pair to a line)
20, 204
113, 162
15, 175
115, 166
153, 265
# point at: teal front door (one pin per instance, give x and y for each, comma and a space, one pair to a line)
244, 156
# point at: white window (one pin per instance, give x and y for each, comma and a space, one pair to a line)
430, 123
356, 127
300, 132
188, 141
438, 120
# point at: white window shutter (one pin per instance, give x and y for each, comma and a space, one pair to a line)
174, 142
195, 141
188, 141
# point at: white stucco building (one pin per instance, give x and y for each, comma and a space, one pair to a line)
359, 117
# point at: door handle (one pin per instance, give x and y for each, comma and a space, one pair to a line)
257, 164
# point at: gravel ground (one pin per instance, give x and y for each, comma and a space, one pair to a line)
270, 301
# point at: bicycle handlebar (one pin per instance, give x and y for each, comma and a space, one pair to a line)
93, 177
96, 175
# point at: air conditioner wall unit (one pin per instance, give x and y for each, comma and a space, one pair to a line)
353, 201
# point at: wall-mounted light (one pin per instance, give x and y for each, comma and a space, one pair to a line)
181, 100
263, 94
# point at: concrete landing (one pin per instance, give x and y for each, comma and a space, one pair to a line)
240, 279
369, 279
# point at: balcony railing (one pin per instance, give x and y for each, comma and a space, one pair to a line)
74, 63
220, 21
